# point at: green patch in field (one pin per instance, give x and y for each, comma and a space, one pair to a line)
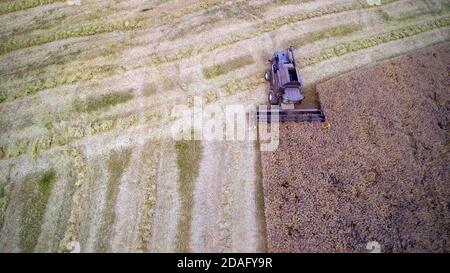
189, 154
117, 164
223, 68
34, 194
385, 16
24, 41
324, 34
48, 23
210, 96
150, 156
101, 102
3, 96
242, 85
82, 74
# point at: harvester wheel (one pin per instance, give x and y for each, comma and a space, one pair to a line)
273, 100
267, 76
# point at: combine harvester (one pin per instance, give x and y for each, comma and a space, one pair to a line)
285, 93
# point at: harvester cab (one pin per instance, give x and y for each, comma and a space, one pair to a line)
285, 93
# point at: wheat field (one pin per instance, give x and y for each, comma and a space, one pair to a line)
86, 93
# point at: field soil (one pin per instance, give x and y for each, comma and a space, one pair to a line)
375, 176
